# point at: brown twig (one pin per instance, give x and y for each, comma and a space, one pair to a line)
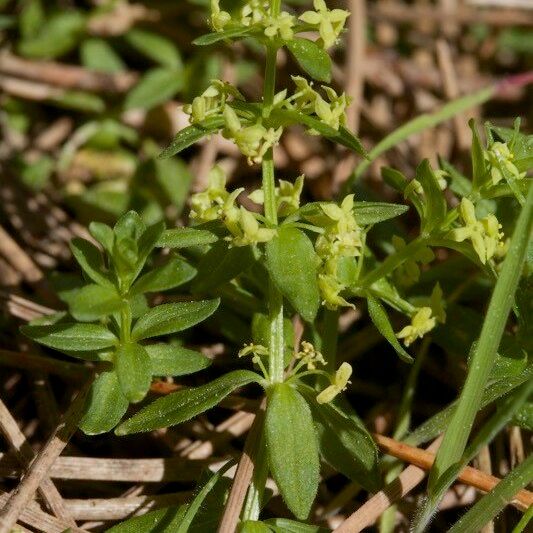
42, 463
24, 454
243, 476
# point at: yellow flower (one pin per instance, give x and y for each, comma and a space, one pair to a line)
287, 196
330, 289
409, 271
421, 323
500, 159
310, 356
207, 205
211, 101
339, 383
250, 232
484, 234
330, 22
280, 26
437, 304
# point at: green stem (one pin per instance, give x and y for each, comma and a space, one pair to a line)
275, 299
125, 323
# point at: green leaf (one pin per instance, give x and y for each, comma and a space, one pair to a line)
524, 417
90, 260
171, 318
134, 371
31, 18
157, 48
220, 265
253, 526
345, 443
292, 264
479, 165
313, 59
156, 86
191, 134
284, 525
233, 33
165, 520
435, 204
105, 405
381, 321
92, 302
186, 237
71, 336
367, 213
292, 448
174, 273
171, 360
183, 405
79, 101
495, 501
103, 234
98, 55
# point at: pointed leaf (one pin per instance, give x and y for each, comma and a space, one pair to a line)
170, 360
155, 87
105, 405
90, 260
433, 197
292, 448
313, 59
215, 37
367, 213
183, 405
71, 337
92, 302
171, 318
155, 47
169, 276
186, 237
292, 264
381, 321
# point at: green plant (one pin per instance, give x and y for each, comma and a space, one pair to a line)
296, 258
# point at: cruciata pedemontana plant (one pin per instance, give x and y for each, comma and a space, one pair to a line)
281, 259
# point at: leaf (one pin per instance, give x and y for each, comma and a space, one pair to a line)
367, 213
292, 264
155, 87
345, 443
98, 55
479, 165
134, 371
165, 520
92, 302
381, 321
286, 117
174, 273
253, 526
524, 417
284, 525
105, 405
292, 448
79, 101
191, 134
186, 237
103, 234
171, 318
313, 59
157, 48
171, 360
183, 405
220, 265
90, 260
434, 201
31, 18
71, 336
495, 501
215, 37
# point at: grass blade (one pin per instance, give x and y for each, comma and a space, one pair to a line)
490, 505
483, 357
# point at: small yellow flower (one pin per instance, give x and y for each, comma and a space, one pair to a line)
211, 101
408, 272
421, 323
330, 22
437, 304
287, 196
256, 349
250, 232
280, 26
500, 159
484, 234
207, 205
330, 289
310, 356
339, 383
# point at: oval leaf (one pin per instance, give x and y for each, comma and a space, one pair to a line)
92, 302
184, 405
175, 273
292, 263
186, 237
105, 405
292, 448
134, 371
71, 337
154, 88
169, 360
313, 59
155, 47
90, 260
170, 318
367, 213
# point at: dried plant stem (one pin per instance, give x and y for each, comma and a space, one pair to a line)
39, 468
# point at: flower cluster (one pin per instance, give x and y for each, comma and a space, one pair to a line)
287, 196
339, 382
500, 159
408, 272
329, 22
216, 203
341, 239
309, 356
484, 234
212, 101
253, 141
308, 101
